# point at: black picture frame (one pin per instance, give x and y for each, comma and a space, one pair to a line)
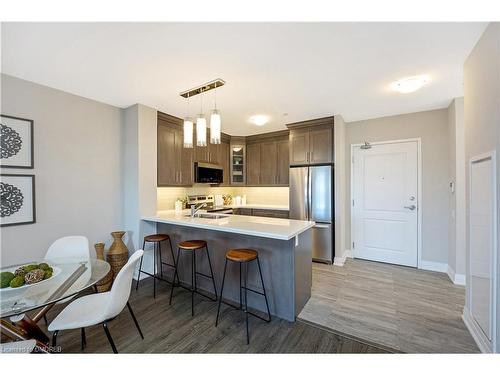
32, 147
33, 199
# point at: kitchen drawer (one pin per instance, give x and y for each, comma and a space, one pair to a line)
270, 213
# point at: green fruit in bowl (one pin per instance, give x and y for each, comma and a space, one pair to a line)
47, 275
17, 281
6, 278
30, 267
43, 266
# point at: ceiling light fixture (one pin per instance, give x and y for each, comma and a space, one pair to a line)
410, 84
201, 126
188, 129
215, 122
201, 122
259, 120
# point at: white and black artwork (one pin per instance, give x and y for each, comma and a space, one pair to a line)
16, 142
17, 195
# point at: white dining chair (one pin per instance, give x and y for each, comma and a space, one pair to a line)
99, 308
73, 247
69, 247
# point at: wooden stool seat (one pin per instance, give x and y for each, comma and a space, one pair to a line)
156, 237
192, 244
241, 255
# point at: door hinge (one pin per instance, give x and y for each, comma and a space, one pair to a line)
353, 247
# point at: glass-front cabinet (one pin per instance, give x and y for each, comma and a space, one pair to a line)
238, 164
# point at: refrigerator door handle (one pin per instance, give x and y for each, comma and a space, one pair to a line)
309, 194
321, 225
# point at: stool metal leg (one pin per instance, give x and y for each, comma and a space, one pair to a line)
154, 270
108, 335
193, 279
221, 291
211, 272
173, 258
241, 306
140, 268
264, 291
161, 263
246, 302
175, 274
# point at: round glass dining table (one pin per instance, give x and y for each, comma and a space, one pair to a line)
70, 276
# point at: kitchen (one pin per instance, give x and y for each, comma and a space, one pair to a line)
249, 168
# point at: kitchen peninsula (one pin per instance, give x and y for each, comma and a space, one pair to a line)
284, 248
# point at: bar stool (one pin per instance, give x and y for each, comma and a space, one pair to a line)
192, 246
244, 256
156, 240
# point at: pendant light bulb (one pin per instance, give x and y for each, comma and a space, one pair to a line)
188, 129
215, 127
188, 133
201, 126
201, 130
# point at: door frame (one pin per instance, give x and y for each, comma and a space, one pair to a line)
419, 191
483, 343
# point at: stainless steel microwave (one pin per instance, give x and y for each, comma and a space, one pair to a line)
206, 173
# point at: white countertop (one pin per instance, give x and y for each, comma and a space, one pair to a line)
268, 227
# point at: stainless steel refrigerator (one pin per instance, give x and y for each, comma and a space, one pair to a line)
311, 198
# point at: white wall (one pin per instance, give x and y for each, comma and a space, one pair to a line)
139, 175
482, 124
341, 225
77, 168
432, 128
456, 228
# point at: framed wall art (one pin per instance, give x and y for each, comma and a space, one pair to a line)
17, 195
16, 142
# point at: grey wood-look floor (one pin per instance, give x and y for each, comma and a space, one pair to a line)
397, 308
171, 329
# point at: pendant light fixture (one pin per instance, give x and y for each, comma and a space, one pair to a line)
201, 121
188, 129
201, 126
215, 122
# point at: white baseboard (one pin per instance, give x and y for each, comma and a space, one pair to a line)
456, 278
482, 342
339, 261
433, 266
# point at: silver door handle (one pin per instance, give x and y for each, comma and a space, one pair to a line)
412, 207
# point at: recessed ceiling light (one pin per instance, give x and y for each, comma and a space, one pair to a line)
409, 84
259, 120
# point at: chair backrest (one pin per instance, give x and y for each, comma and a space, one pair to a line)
120, 291
69, 247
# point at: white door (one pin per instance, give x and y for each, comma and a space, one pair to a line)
385, 203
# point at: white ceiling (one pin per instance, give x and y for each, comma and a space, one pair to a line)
306, 70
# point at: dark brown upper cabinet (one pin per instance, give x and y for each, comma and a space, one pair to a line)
175, 163
311, 142
267, 159
253, 164
283, 173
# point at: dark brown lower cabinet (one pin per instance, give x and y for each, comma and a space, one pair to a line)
280, 214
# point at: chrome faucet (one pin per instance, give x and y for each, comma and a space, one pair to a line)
195, 209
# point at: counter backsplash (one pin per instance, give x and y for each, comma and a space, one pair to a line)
166, 196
